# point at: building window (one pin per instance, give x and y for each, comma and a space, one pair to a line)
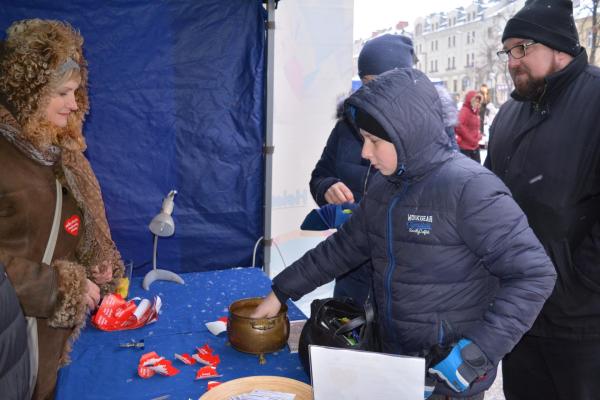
468, 37
453, 41
434, 66
466, 83
455, 86
453, 62
449, 42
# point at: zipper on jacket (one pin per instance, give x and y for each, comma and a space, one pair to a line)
392, 261
364, 193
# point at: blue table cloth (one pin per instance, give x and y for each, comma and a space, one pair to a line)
100, 369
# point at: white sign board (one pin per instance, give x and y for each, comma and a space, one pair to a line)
313, 70
344, 374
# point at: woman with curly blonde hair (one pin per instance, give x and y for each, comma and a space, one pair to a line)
55, 242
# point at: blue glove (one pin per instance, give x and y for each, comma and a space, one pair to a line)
465, 363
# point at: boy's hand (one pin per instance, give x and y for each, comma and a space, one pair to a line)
339, 193
269, 307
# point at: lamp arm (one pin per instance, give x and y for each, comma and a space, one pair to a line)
155, 247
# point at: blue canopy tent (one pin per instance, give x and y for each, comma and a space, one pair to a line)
177, 95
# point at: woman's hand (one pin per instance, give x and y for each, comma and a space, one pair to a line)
92, 295
102, 273
269, 307
339, 193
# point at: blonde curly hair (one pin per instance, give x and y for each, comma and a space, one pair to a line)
32, 65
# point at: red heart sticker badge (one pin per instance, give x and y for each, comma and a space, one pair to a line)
72, 225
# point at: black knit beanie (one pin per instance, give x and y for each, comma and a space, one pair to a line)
367, 123
549, 22
385, 53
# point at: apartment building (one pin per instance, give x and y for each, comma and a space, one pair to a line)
459, 47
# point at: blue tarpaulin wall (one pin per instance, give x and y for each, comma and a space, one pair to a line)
177, 102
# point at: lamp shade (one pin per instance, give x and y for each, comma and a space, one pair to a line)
162, 225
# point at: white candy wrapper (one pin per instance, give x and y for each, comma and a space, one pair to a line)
217, 327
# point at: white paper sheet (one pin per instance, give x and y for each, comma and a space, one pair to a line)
352, 374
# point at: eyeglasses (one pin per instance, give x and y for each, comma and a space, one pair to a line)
516, 52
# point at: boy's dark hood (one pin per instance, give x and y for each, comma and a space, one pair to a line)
405, 103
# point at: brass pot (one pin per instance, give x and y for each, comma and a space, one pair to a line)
256, 335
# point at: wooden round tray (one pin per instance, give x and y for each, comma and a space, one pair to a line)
245, 385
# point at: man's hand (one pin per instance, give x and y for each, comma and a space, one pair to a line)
269, 307
92, 295
465, 363
102, 273
339, 193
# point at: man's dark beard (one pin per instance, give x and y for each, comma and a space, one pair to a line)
532, 90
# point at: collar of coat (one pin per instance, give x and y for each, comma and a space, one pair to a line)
10, 130
556, 82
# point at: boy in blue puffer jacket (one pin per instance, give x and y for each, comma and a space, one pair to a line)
454, 262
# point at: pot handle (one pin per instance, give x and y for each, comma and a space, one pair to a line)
263, 324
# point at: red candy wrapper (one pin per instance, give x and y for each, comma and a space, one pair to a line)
204, 355
116, 314
165, 367
151, 363
206, 349
185, 358
207, 372
207, 359
145, 361
212, 384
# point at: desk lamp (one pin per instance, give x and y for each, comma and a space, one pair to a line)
162, 225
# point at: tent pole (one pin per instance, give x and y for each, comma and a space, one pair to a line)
268, 150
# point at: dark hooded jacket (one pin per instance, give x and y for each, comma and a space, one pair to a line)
548, 154
341, 162
14, 354
452, 254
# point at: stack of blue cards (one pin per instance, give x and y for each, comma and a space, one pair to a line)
330, 216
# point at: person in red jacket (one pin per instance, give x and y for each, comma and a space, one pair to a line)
467, 129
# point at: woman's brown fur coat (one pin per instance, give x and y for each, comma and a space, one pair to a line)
33, 155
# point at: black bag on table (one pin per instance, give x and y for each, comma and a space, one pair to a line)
338, 323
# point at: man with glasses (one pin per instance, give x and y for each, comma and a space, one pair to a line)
545, 146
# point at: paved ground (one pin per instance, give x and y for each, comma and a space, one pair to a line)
495, 392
